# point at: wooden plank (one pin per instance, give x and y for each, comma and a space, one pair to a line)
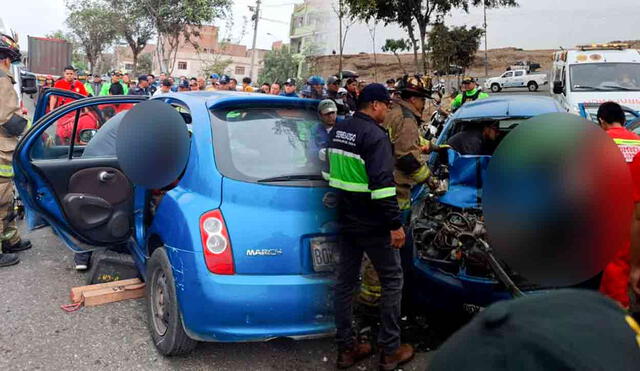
113, 294
76, 292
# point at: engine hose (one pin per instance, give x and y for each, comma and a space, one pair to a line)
502, 275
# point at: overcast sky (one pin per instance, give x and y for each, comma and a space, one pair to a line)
536, 24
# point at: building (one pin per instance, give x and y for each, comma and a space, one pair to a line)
196, 56
309, 32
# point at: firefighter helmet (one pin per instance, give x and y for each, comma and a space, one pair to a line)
9, 48
417, 85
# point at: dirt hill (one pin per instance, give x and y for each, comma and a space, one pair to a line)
387, 64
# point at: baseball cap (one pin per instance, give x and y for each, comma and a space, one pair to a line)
166, 82
327, 106
374, 92
290, 82
184, 84
224, 79
142, 78
333, 80
565, 329
214, 76
468, 79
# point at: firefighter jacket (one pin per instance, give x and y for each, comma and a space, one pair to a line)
12, 124
402, 124
361, 166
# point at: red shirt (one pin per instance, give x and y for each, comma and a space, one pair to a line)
74, 86
615, 279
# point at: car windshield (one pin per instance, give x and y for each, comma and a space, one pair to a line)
605, 77
268, 144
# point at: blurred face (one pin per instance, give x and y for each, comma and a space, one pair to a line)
468, 86
69, 75
163, 76
353, 87
116, 78
289, 89
266, 88
97, 79
418, 103
126, 79
49, 82
5, 63
233, 85
275, 89
144, 84
193, 86
201, 82
379, 110
317, 88
165, 89
333, 87
491, 133
329, 119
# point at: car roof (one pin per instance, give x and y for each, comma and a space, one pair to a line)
214, 98
508, 106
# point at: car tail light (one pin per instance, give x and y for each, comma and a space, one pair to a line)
216, 244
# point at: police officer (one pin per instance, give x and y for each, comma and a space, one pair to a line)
470, 93
143, 87
361, 167
12, 124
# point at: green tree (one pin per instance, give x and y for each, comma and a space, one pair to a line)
145, 63
279, 65
177, 22
91, 22
421, 13
395, 46
133, 25
453, 46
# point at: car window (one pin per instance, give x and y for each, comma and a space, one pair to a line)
68, 136
508, 74
260, 143
519, 73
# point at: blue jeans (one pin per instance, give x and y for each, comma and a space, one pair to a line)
386, 261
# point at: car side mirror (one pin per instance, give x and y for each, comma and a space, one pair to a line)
87, 134
28, 84
558, 87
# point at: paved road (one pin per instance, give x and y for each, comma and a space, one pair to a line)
35, 334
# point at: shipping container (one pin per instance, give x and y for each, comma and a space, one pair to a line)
48, 56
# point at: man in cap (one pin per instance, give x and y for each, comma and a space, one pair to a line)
559, 330
361, 168
290, 88
224, 82
143, 87
333, 85
184, 86
165, 88
213, 80
116, 78
352, 94
95, 86
12, 125
391, 84
470, 93
327, 111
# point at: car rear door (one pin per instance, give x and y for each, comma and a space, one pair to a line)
518, 79
86, 200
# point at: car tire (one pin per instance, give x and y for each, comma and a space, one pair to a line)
163, 313
532, 86
495, 88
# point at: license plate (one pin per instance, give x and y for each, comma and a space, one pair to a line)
322, 254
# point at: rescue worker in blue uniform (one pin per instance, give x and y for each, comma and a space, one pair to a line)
361, 166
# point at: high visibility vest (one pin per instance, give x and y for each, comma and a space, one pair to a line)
6, 171
629, 148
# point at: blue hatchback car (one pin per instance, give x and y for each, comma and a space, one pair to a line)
450, 277
238, 248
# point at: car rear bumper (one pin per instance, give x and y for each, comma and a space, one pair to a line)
239, 308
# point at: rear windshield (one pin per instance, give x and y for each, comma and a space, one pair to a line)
268, 145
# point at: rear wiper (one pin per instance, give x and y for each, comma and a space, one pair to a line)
292, 178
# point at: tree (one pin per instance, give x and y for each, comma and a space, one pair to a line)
395, 46
177, 22
133, 25
346, 21
372, 27
456, 46
145, 62
279, 65
421, 13
90, 21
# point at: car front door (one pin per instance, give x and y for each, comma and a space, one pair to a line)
518, 79
86, 199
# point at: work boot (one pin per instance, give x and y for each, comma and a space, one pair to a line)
8, 259
20, 246
352, 356
402, 355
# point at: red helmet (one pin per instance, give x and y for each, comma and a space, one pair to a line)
9, 48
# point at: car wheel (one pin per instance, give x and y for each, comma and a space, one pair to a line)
163, 314
495, 88
532, 86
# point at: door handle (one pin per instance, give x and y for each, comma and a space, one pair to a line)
105, 176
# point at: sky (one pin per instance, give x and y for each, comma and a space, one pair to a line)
39, 17
536, 24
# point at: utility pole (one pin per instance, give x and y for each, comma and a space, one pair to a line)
486, 57
256, 17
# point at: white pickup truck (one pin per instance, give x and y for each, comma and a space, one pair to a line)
516, 79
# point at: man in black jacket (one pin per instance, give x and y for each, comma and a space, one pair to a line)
361, 167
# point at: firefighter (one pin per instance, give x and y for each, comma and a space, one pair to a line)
470, 93
12, 124
361, 168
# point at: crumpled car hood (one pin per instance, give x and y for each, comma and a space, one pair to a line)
466, 176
